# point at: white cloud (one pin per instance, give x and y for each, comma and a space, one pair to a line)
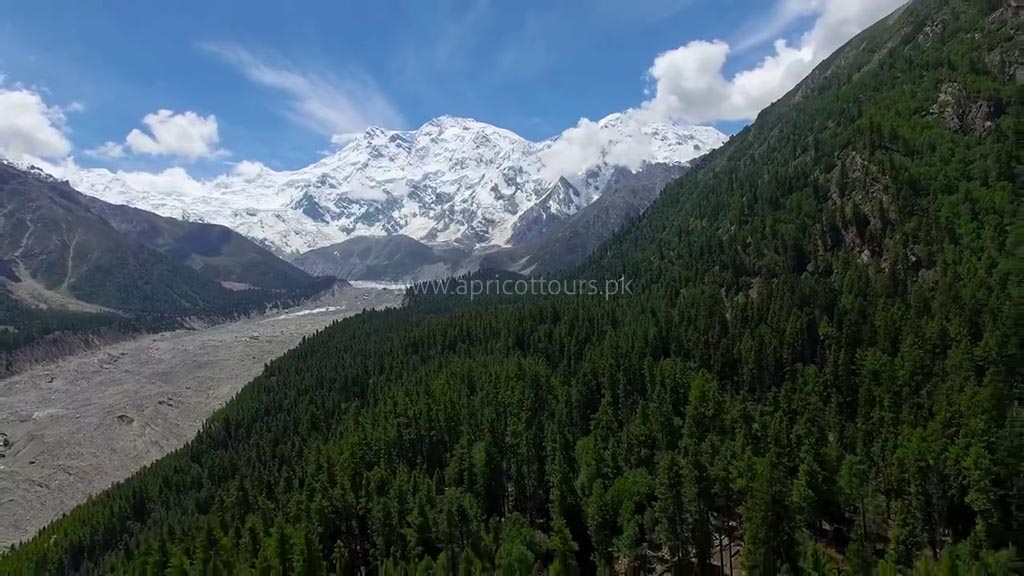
587, 144
331, 106
108, 150
174, 180
30, 128
689, 81
248, 169
781, 17
342, 140
689, 84
187, 135
61, 168
33, 133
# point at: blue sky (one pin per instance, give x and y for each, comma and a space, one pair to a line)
281, 79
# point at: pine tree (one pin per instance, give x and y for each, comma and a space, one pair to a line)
670, 511
563, 549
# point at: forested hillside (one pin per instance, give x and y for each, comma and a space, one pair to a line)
817, 373
214, 251
71, 264
50, 236
21, 325
123, 258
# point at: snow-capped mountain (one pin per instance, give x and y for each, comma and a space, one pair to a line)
453, 180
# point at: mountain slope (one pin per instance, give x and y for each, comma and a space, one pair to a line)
75, 271
553, 235
395, 258
51, 235
213, 250
125, 258
453, 180
818, 363
626, 196
557, 241
557, 205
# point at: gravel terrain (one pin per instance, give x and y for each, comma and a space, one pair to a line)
73, 427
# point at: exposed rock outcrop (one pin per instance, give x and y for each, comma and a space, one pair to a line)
961, 113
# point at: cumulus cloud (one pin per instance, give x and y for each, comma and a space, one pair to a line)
170, 181
186, 135
248, 169
30, 128
35, 133
589, 143
689, 83
335, 107
60, 168
107, 151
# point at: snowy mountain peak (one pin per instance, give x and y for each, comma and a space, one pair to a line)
446, 122
452, 180
612, 119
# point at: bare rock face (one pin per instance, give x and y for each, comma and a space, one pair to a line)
861, 196
558, 205
981, 118
949, 108
936, 24
959, 113
1007, 58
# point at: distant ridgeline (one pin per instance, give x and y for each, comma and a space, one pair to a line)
818, 372
72, 266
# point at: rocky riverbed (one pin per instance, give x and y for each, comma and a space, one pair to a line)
73, 427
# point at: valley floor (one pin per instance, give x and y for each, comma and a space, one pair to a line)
78, 425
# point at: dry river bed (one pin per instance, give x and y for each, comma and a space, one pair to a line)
75, 426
